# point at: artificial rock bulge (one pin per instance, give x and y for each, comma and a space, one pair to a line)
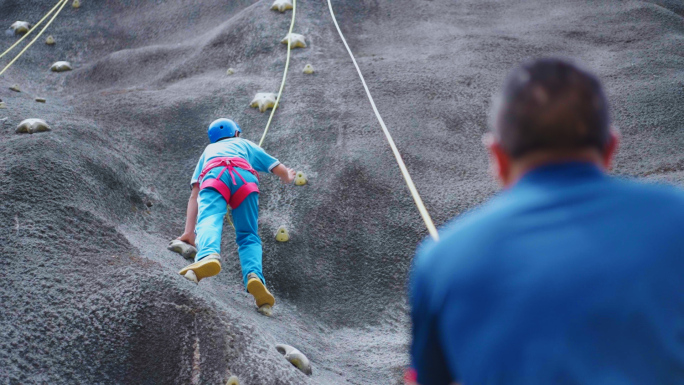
264, 101
30, 126
297, 40
20, 27
282, 5
61, 66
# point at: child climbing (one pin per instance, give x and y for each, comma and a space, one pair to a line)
226, 174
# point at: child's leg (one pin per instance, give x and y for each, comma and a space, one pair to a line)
212, 209
245, 218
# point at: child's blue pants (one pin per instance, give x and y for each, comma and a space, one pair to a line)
212, 209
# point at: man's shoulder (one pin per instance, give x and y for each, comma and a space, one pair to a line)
468, 233
652, 195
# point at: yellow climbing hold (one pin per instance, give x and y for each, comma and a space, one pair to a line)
308, 69
263, 101
50, 40
300, 179
76, 4
233, 380
15, 88
297, 40
230, 71
3, 105
282, 5
61, 66
40, 100
20, 27
282, 235
29, 126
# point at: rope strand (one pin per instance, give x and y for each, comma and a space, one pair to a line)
287, 66
404, 171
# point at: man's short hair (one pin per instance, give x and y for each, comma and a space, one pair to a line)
551, 104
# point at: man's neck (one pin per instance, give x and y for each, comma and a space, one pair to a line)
522, 166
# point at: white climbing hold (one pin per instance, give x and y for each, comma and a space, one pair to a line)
308, 69
15, 88
30, 126
230, 71
233, 380
20, 27
191, 276
61, 66
300, 179
282, 5
296, 358
186, 250
298, 40
50, 40
282, 235
266, 310
41, 100
264, 101
3, 105
76, 4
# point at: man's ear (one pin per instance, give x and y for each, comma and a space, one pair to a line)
499, 161
611, 149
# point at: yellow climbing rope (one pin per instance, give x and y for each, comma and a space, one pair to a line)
287, 66
404, 171
32, 29
62, 3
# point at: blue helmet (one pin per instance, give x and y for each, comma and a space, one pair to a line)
222, 128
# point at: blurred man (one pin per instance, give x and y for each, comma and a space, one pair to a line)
569, 276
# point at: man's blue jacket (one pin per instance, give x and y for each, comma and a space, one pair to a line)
569, 277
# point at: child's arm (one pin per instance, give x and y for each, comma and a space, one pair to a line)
286, 175
191, 219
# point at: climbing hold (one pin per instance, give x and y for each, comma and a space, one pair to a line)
233, 380
15, 88
266, 310
298, 40
282, 5
76, 4
186, 250
300, 179
40, 100
20, 27
50, 40
264, 101
191, 276
61, 66
3, 105
230, 71
296, 358
308, 69
32, 125
282, 235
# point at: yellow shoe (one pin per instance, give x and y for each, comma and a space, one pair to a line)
206, 267
261, 294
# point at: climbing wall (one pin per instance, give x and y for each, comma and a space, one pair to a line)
91, 294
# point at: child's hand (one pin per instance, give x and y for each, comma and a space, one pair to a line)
289, 177
188, 238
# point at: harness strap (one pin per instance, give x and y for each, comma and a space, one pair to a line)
234, 200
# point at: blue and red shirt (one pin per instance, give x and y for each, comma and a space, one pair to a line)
569, 277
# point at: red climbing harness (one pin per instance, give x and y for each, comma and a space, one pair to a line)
234, 200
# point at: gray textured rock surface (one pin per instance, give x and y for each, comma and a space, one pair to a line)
90, 294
